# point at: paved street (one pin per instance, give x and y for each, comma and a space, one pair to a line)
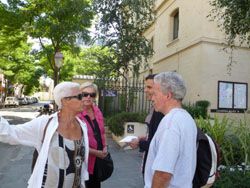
15, 161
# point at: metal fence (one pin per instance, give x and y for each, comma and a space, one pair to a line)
118, 96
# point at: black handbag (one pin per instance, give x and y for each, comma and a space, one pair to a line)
105, 167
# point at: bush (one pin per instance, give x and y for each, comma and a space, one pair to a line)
202, 106
116, 122
199, 109
203, 103
232, 177
234, 140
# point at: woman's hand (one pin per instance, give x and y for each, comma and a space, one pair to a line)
105, 149
101, 154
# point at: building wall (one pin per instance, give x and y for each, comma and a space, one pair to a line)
197, 54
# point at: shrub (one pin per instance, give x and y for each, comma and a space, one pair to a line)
232, 177
116, 122
242, 132
202, 105
199, 109
234, 140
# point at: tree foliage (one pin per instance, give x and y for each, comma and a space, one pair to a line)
55, 24
16, 61
61, 22
120, 27
233, 17
98, 61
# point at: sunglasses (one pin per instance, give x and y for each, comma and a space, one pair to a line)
79, 97
93, 95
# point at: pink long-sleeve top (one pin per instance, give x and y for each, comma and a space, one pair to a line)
92, 140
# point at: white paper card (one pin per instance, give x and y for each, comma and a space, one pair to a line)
128, 138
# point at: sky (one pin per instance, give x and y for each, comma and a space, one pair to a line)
4, 1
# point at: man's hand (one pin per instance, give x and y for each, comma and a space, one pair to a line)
134, 143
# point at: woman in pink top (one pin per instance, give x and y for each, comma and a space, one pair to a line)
93, 117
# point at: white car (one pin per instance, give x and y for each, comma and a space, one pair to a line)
11, 101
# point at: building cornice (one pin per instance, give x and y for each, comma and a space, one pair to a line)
194, 43
160, 4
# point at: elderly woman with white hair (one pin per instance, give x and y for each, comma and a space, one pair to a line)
61, 140
93, 117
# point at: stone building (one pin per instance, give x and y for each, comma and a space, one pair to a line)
186, 41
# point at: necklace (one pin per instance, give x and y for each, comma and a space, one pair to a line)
64, 121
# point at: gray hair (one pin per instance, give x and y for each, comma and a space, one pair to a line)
171, 82
89, 84
64, 89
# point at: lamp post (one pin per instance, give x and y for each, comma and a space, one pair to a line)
58, 63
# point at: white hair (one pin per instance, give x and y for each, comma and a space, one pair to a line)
171, 82
64, 89
89, 84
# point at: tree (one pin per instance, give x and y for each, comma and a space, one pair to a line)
18, 64
120, 27
56, 24
235, 17
16, 61
96, 60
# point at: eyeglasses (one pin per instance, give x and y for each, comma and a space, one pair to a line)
93, 95
79, 97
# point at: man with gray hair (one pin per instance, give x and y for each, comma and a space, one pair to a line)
171, 159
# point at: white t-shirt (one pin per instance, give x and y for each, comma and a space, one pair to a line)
173, 149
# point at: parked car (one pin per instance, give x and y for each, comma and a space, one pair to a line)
11, 101
29, 100
23, 101
35, 99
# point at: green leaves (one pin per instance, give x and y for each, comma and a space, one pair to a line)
235, 15
233, 138
116, 122
121, 26
55, 24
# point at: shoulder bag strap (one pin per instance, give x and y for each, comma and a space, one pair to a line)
45, 129
35, 153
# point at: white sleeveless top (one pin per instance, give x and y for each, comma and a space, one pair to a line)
63, 167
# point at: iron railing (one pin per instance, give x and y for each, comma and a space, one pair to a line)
118, 96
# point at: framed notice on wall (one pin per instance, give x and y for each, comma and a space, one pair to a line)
240, 98
232, 95
225, 95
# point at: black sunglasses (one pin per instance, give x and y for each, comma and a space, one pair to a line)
79, 97
93, 95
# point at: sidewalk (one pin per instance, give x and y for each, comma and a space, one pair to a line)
127, 168
15, 163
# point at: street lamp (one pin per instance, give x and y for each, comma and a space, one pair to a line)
58, 59
58, 63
